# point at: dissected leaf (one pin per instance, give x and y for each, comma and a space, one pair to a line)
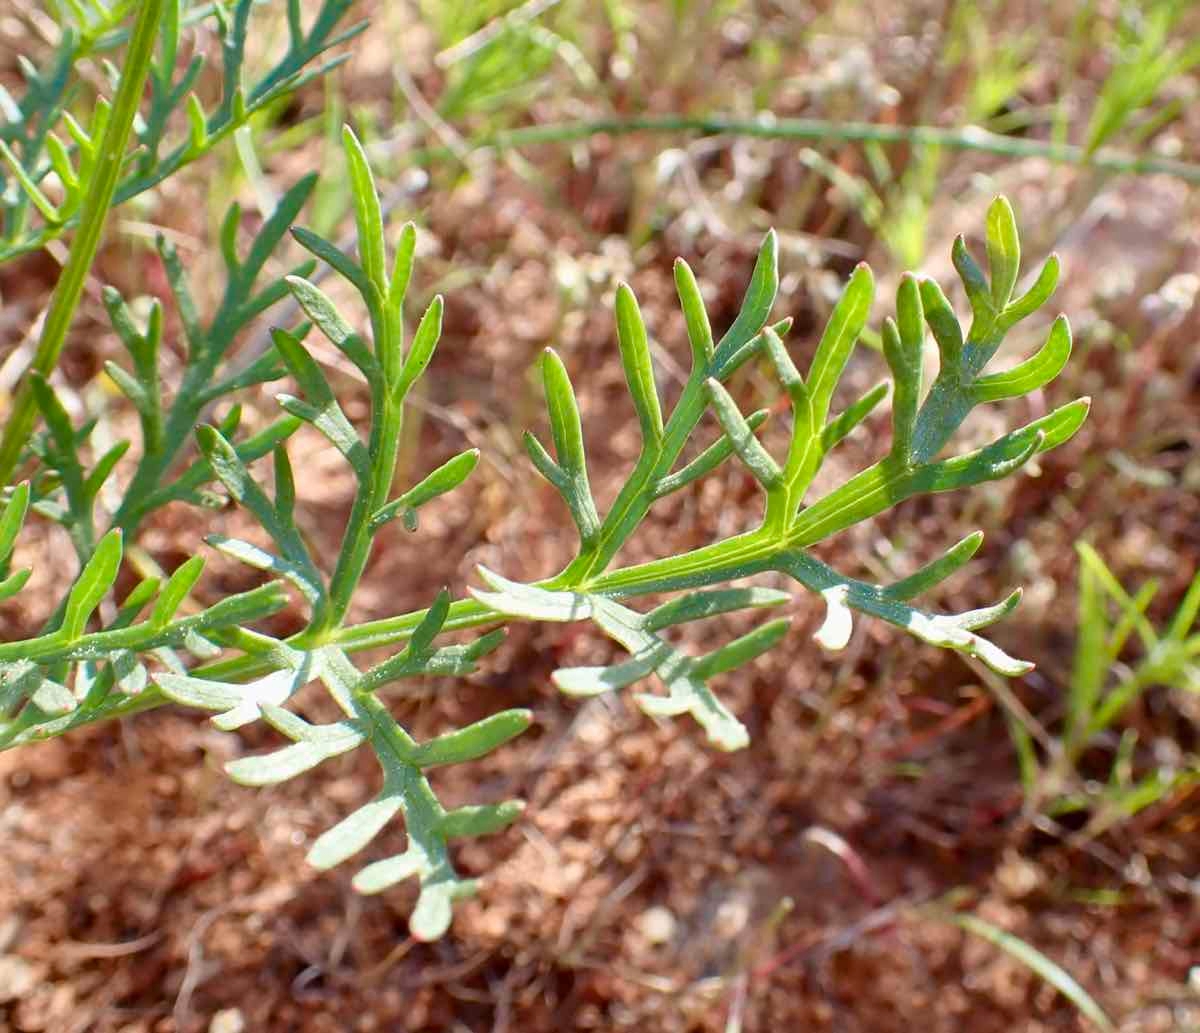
258, 673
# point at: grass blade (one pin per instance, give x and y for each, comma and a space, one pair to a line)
1036, 962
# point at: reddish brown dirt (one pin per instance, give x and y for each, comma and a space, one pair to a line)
645, 888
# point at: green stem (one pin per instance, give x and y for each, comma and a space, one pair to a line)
637, 496
96, 205
116, 706
386, 425
742, 556
968, 138
153, 465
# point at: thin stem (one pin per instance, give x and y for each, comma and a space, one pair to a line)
386, 425
116, 706
967, 138
741, 556
637, 496
356, 549
153, 465
95, 210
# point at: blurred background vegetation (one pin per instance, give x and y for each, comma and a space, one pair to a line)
909, 841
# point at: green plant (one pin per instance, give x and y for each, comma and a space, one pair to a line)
496, 54
1104, 685
71, 676
1047, 970
1146, 59
45, 138
99, 174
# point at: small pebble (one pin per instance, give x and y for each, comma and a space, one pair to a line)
228, 1020
657, 925
17, 978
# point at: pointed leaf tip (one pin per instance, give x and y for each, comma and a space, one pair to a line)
368, 214
695, 316
758, 300
637, 363
1003, 250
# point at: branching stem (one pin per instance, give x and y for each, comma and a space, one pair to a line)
968, 138
99, 200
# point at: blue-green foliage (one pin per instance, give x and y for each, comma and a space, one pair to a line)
70, 675
40, 139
